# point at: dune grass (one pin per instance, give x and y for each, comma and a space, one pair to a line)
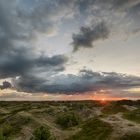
133, 115
12, 126
113, 108
93, 129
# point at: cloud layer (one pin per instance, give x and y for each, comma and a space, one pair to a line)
33, 70
85, 81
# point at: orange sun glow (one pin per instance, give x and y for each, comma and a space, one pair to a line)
103, 99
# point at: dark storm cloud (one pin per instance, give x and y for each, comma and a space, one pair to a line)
28, 83
5, 85
134, 12
20, 21
52, 61
85, 81
116, 14
88, 35
21, 63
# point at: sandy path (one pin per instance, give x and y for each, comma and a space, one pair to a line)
121, 126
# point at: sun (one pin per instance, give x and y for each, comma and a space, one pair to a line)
103, 99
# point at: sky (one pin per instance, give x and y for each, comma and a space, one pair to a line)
69, 49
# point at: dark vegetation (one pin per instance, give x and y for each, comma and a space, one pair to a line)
61, 120
68, 120
93, 129
42, 133
113, 108
133, 115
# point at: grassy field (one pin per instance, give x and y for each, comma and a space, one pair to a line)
93, 129
133, 115
70, 120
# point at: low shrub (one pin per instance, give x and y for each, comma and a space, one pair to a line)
133, 115
68, 120
113, 109
5, 132
42, 133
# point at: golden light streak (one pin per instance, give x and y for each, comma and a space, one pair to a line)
136, 89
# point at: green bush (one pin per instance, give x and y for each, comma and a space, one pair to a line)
1, 134
133, 115
113, 108
5, 132
42, 133
68, 120
93, 129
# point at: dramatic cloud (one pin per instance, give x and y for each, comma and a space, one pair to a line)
21, 63
118, 16
34, 68
88, 36
20, 22
85, 81
5, 85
